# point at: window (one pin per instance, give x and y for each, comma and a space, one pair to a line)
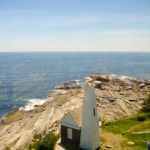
94, 111
69, 133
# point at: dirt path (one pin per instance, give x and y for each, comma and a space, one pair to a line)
112, 141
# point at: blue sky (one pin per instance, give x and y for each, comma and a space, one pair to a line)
75, 25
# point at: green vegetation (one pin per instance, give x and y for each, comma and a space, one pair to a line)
121, 125
146, 105
44, 143
140, 141
135, 128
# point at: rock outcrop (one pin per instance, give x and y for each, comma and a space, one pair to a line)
116, 98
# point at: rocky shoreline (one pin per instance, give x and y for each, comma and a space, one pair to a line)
116, 96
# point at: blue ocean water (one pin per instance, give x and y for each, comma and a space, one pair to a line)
24, 76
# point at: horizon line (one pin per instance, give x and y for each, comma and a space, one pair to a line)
75, 51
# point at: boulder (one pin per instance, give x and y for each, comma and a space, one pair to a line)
68, 85
109, 146
102, 78
130, 143
142, 85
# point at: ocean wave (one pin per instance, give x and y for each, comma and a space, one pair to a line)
31, 103
87, 79
125, 79
59, 92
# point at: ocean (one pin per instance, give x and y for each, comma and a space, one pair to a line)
30, 77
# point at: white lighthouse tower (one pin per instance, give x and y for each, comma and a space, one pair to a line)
90, 136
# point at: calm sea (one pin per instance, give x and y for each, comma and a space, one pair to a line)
26, 76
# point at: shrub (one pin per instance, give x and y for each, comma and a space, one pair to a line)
46, 143
141, 117
146, 105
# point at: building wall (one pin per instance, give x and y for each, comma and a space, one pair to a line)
90, 137
75, 141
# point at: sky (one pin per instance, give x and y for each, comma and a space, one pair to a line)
75, 25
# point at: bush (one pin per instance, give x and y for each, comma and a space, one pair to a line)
46, 143
141, 117
146, 105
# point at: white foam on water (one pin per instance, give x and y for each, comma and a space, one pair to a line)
31, 104
78, 82
59, 92
113, 76
88, 79
125, 79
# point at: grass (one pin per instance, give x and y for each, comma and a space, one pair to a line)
120, 126
102, 139
127, 126
139, 140
145, 126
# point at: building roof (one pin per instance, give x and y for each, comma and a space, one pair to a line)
77, 116
73, 119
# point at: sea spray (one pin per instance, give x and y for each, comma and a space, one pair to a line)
32, 103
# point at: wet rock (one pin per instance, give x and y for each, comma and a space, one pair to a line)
147, 82
68, 85
98, 84
102, 78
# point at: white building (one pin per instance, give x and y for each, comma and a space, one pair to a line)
81, 127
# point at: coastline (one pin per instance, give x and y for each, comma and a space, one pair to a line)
116, 98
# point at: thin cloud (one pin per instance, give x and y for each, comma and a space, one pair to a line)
125, 32
134, 19
50, 21
71, 21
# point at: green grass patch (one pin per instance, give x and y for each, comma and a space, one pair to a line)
140, 141
122, 125
144, 126
128, 126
